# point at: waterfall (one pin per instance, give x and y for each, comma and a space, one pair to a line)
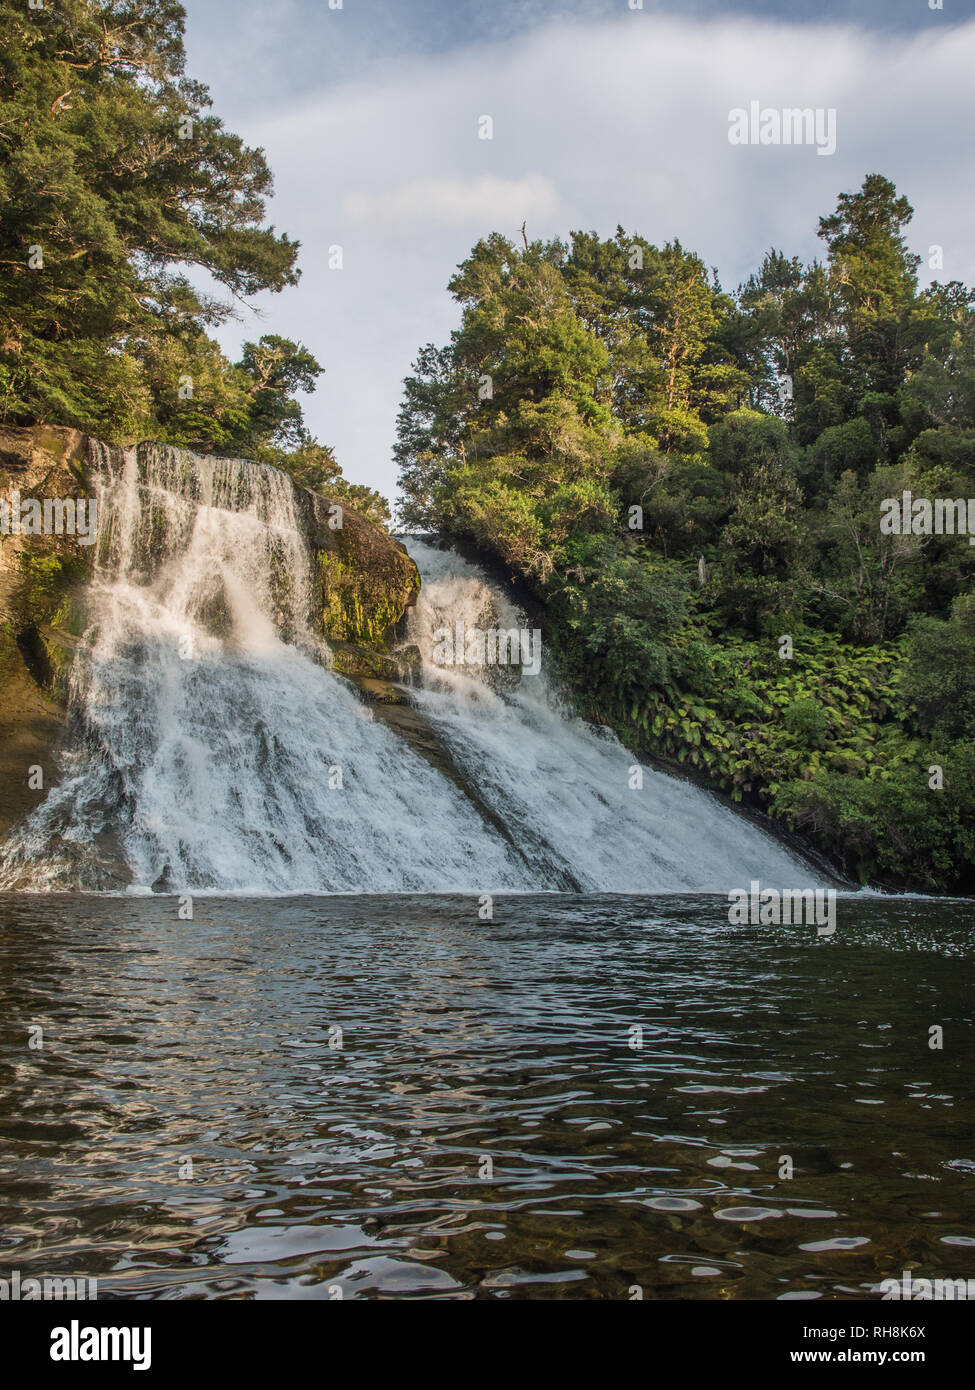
212, 749
562, 787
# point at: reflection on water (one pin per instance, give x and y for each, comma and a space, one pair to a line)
584, 1095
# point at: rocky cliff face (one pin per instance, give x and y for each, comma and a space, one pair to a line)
364, 583
42, 581
365, 580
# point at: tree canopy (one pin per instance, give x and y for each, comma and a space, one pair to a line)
133, 224
676, 472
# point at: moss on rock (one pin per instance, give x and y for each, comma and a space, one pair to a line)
42, 581
365, 580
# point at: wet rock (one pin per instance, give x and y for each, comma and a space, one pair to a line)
365, 579
42, 581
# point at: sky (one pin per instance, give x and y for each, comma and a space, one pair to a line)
602, 115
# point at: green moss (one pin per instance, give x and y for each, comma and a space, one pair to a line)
51, 578
357, 605
361, 663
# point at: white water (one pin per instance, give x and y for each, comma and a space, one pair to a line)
213, 750
209, 758
561, 787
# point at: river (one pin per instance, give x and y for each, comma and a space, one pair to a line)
589, 1096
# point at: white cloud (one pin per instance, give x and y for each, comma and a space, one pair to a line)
623, 121
468, 203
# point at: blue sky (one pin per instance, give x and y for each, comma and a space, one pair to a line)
602, 116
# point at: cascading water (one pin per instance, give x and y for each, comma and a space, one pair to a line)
212, 748
563, 788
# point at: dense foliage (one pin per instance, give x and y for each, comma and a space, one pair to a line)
690, 483
122, 194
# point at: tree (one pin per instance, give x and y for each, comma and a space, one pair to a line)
939, 676
762, 554
277, 369
867, 583
313, 465
682, 481
430, 429
520, 336
876, 280
113, 176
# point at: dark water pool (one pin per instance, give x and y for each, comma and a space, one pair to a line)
583, 1097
